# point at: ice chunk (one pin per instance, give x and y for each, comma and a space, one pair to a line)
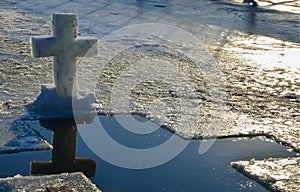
280, 174
20, 138
74, 181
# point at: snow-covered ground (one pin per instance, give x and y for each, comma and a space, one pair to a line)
255, 49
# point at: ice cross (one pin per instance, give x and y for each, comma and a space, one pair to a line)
65, 46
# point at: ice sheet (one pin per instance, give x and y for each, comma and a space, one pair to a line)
74, 181
22, 76
21, 137
276, 174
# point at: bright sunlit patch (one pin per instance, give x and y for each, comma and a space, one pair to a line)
287, 8
279, 5
265, 52
274, 62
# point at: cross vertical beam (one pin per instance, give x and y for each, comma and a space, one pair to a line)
65, 46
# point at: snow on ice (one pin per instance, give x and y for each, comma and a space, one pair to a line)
72, 181
275, 174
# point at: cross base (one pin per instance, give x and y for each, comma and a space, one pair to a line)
85, 165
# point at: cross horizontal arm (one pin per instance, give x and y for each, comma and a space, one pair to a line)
83, 45
42, 46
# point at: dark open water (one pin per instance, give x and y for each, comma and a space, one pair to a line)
188, 172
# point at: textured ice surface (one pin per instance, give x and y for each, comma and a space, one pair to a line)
16, 86
75, 181
254, 107
21, 137
275, 174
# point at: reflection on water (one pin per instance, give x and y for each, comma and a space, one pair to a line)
189, 171
63, 157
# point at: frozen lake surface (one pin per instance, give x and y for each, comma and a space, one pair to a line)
255, 48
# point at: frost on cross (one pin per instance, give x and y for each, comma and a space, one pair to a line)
64, 46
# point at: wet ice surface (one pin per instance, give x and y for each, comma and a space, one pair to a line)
280, 5
268, 90
276, 174
245, 105
74, 181
256, 48
17, 86
21, 137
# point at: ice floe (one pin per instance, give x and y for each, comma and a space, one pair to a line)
276, 174
72, 182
